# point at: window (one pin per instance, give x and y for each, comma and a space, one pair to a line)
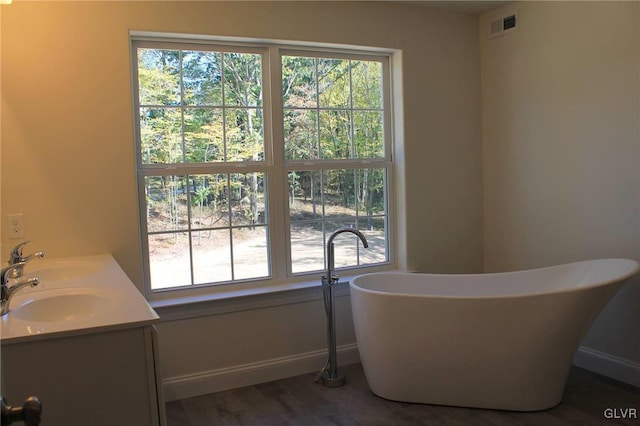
250, 156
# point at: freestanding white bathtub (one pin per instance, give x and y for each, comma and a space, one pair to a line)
502, 341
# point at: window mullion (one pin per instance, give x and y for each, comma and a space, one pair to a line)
184, 160
182, 109
387, 110
231, 224
352, 144
317, 107
277, 183
224, 107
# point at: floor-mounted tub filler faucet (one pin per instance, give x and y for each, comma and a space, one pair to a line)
6, 291
16, 257
329, 373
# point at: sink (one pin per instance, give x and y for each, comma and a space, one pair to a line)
76, 295
62, 305
66, 270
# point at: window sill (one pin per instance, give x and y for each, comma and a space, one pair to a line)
246, 299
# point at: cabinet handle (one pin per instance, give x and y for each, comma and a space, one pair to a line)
29, 413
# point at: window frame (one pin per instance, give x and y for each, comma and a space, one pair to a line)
274, 166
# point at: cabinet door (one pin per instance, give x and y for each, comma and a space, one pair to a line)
96, 379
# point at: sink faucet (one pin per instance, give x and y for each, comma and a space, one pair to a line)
16, 257
329, 373
6, 292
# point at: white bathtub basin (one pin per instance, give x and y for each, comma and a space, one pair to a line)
77, 295
501, 341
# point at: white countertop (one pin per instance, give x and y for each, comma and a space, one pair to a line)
98, 295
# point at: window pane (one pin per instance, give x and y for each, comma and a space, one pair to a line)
169, 260
158, 77
335, 134
203, 135
349, 118
244, 134
366, 77
202, 76
166, 198
160, 135
370, 191
250, 253
368, 130
305, 216
340, 198
172, 127
247, 199
307, 247
299, 82
333, 83
211, 256
242, 79
209, 201
305, 196
340, 193
374, 230
300, 134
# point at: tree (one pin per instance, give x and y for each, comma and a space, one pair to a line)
333, 110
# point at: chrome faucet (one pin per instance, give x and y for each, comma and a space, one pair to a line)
6, 292
330, 276
329, 373
16, 257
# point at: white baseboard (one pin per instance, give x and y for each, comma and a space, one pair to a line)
205, 382
608, 365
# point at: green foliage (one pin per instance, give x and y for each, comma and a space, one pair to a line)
199, 107
204, 107
333, 110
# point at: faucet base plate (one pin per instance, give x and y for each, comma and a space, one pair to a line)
333, 382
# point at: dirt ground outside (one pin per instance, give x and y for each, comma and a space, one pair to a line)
170, 263
212, 254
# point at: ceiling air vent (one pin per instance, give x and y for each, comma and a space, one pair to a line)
503, 25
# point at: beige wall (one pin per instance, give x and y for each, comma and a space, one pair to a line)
68, 149
1, 216
561, 148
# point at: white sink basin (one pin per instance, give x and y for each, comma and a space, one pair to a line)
76, 295
62, 305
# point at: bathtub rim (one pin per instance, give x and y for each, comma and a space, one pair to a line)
619, 279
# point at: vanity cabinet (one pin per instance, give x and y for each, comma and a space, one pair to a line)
85, 344
100, 378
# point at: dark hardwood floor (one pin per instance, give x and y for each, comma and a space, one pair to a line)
300, 401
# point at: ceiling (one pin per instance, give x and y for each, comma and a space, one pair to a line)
462, 6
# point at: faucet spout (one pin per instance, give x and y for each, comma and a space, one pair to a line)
330, 276
16, 257
6, 292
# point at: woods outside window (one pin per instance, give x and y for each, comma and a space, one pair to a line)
249, 156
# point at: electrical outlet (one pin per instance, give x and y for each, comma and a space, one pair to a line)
16, 225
